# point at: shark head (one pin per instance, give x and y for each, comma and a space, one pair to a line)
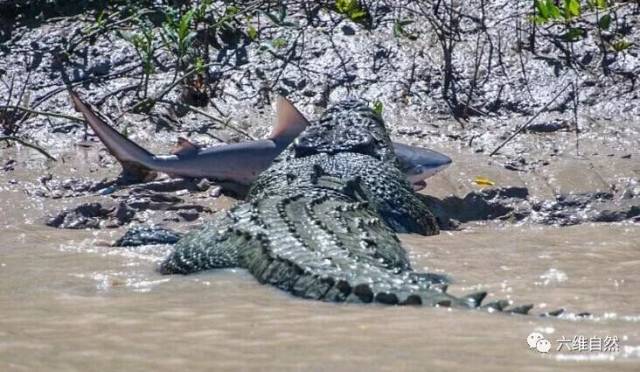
419, 163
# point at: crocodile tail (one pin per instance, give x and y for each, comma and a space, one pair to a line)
308, 283
324, 245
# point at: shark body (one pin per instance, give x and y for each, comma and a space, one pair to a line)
236, 166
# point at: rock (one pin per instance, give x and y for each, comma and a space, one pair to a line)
203, 184
215, 192
100, 66
547, 127
146, 235
608, 215
85, 216
93, 216
189, 215
124, 214
503, 203
587, 207
348, 30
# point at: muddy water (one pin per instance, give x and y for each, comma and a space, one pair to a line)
70, 302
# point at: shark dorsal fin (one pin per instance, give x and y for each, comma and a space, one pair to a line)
289, 122
184, 147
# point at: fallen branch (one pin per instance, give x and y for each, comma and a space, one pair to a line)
152, 101
28, 144
77, 82
523, 127
45, 113
225, 123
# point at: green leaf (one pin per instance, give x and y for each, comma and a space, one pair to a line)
621, 45
200, 12
185, 25
571, 8
351, 9
546, 11
358, 15
543, 12
344, 6
604, 22
232, 10
199, 65
252, 33
377, 108
598, 4
537, 20
574, 34
399, 31
279, 43
553, 9
101, 19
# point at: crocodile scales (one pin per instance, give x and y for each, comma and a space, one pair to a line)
321, 222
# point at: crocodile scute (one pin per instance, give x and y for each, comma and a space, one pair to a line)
321, 222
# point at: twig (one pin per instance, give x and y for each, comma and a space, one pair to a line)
45, 113
523, 127
522, 64
576, 99
207, 115
291, 52
96, 31
166, 90
474, 81
126, 88
81, 81
27, 144
13, 77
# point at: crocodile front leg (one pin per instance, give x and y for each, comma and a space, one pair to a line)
214, 246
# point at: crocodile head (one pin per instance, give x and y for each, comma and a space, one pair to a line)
349, 126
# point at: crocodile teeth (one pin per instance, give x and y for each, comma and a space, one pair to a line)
475, 299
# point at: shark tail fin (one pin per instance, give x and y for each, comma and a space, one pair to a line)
132, 157
289, 121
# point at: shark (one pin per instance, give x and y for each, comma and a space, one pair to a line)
235, 166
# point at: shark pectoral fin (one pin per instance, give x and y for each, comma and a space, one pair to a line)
289, 122
184, 147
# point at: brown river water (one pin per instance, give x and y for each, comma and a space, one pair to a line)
70, 302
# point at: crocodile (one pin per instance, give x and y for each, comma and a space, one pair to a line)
322, 221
